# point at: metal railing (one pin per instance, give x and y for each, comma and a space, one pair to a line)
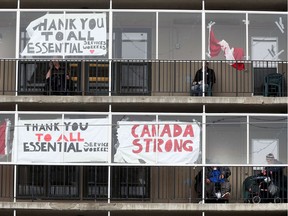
140, 77
240, 184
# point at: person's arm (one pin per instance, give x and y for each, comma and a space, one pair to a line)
197, 76
213, 76
67, 75
208, 171
49, 72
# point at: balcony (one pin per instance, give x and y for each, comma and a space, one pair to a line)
141, 77
248, 185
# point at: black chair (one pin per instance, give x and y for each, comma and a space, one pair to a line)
273, 85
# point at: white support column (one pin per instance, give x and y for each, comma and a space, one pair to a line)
17, 36
203, 151
204, 108
157, 35
14, 159
110, 106
110, 47
247, 36
109, 154
203, 46
247, 140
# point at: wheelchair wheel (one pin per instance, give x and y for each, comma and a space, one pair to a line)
256, 199
277, 200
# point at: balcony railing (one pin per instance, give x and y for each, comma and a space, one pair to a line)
241, 184
141, 77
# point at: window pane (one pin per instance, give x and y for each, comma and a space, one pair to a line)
226, 140
130, 182
134, 35
63, 181
95, 183
7, 34
225, 37
268, 37
31, 181
180, 36
268, 135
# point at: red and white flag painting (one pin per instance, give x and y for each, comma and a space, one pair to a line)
215, 47
4, 130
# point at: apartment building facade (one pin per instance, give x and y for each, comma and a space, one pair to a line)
118, 129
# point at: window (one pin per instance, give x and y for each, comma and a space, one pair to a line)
95, 182
130, 182
132, 77
31, 181
63, 182
97, 77
48, 181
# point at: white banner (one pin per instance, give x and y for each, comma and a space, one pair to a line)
166, 142
67, 34
74, 140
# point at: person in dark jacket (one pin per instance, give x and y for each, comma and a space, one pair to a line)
275, 173
57, 80
210, 79
214, 176
270, 174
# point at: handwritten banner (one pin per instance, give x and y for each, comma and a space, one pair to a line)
74, 140
67, 34
166, 142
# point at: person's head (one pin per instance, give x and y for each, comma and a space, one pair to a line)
56, 63
270, 158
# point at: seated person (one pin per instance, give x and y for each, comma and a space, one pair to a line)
218, 176
270, 174
250, 187
197, 85
214, 176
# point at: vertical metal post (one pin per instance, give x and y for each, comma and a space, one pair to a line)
203, 152
157, 35
247, 139
203, 46
110, 47
17, 46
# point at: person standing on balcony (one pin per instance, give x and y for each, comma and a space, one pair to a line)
210, 79
57, 80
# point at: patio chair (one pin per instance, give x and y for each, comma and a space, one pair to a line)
273, 85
